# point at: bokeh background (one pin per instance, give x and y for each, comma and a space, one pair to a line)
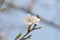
12, 22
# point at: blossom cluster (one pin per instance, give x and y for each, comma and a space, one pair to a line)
29, 19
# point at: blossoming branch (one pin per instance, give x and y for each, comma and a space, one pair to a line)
29, 20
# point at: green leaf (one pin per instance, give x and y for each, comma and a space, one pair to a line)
38, 28
29, 27
28, 36
27, 39
18, 36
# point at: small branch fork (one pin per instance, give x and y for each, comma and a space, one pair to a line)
34, 28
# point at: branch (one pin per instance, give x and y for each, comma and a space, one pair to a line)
29, 30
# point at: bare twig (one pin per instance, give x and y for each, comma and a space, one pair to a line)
32, 4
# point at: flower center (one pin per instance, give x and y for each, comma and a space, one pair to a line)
29, 20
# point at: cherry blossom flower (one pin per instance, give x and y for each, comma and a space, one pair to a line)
36, 20
28, 19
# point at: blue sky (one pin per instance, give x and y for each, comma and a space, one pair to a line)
12, 22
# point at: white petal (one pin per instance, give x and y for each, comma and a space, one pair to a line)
28, 19
36, 20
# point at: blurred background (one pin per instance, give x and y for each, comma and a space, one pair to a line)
12, 14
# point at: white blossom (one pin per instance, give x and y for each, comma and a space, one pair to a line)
36, 20
29, 19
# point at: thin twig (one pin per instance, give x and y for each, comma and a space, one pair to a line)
29, 32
